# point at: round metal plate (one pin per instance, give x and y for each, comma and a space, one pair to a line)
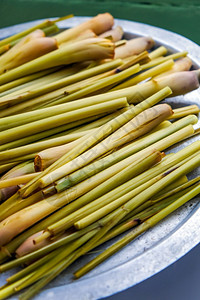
160, 246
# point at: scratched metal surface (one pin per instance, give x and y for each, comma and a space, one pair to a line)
160, 246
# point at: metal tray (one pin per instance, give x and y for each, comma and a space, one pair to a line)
159, 247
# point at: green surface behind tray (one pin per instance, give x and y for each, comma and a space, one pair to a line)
181, 16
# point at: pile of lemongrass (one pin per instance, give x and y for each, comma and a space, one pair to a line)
82, 141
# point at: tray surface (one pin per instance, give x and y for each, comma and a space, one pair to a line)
160, 246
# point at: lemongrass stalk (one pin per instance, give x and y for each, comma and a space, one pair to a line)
185, 111
64, 252
104, 131
129, 150
133, 60
99, 213
50, 29
113, 218
134, 46
16, 180
23, 158
182, 64
47, 99
147, 74
75, 52
61, 119
33, 49
140, 229
8, 208
39, 146
158, 52
180, 181
131, 130
21, 169
98, 24
161, 196
71, 79
47, 133
41, 25
31, 116
102, 83
6, 167
160, 60
115, 33
4, 49
62, 265
24, 80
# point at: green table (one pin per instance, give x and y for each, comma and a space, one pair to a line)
181, 16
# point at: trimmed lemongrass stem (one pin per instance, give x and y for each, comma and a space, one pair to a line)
182, 64
101, 83
158, 52
98, 24
180, 181
184, 111
134, 46
75, 52
4, 49
160, 60
20, 119
84, 74
131, 130
147, 74
134, 147
48, 133
21, 169
8, 208
133, 60
140, 229
41, 145
6, 167
16, 180
60, 225
103, 132
61, 119
169, 193
114, 218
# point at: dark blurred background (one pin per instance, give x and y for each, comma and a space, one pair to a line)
181, 16
179, 281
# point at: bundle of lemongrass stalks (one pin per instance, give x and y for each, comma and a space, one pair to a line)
81, 145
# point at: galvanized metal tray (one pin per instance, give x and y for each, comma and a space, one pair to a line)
160, 246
